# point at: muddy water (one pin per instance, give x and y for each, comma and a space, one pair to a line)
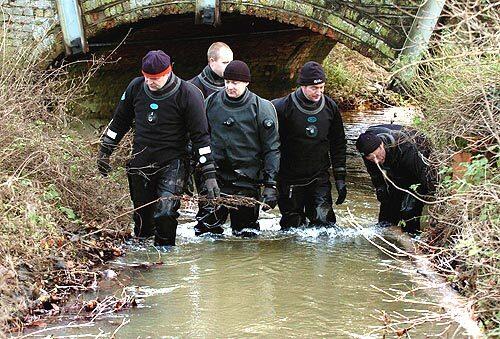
318, 282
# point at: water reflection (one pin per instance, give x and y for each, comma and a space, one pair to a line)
303, 283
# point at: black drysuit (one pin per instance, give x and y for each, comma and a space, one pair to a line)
157, 168
312, 139
405, 164
208, 82
245, 145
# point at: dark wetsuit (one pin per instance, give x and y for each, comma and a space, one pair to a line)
312, 139
405, 164
245, 144
157, 168
208, 82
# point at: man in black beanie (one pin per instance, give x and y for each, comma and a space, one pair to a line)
402, 154
245, 145
312, 140
164, 109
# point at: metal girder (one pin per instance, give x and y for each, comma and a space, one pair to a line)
70, 18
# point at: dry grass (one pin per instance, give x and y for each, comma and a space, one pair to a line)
457, 88
56, 213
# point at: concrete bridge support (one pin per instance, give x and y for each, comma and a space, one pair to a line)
417, 41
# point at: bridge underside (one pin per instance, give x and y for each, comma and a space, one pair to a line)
274, 52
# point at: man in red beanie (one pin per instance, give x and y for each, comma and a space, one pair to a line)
245, 143
401, 153
312, 140
164, 109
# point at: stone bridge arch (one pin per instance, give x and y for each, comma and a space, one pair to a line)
375, 28
282, 34
274, 36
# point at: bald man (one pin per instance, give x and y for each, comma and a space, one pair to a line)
210, 80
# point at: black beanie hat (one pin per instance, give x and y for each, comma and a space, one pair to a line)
367, 143
156, 64
237, 70
311, 74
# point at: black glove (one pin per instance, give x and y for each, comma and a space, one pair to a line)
213, 190
269, 197
382, 193
342, 191
408, 205
103, 164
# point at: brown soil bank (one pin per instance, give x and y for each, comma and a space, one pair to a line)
356, 82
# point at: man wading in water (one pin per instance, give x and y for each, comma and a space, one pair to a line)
209, 81
165, 109
245, 144
312, 140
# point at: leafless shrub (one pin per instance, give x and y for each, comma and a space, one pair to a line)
50, 192
457, 87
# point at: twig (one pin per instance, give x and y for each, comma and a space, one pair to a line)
125, 321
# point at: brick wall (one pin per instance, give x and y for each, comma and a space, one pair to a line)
33, 24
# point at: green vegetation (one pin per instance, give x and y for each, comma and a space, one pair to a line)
355, 81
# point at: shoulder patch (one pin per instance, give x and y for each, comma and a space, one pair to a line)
268, 123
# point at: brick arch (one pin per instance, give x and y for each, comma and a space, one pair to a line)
374, 28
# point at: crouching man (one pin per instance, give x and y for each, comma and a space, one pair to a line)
403, 155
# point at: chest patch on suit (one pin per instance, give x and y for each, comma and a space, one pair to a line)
311, 131
268, 123
153, 105
229, 122
312, 119
152, 118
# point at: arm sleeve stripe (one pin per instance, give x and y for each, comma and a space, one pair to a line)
111, 134
204, 150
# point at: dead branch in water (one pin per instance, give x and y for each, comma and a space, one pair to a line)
450, 311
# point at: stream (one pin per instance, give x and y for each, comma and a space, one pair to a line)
314, 282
